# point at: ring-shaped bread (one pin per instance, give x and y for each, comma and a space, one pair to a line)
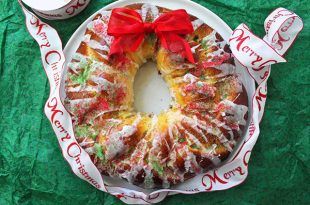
199, 131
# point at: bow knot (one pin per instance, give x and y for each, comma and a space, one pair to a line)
128, 29
149, 27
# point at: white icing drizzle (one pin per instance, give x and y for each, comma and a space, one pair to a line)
226, 142
148, 180
130, 175
86, 142
91, 150
219, 123
95, 44
188, 162
115, 144
154, 121
193, 49
99, 27
188, 77
211, 41
78, 65
197, 23
238, 85
83, 88
103, 84
214, 131
194, 125
111, 109
103, 56
193, 138
149, 8
74, 66
78, 101
86, 61
79, 57
74, 89
156, 141
227, 69
215, 158
105, 14
238, 111
114, 121
142, 150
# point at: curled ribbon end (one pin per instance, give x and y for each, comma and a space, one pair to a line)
282, 27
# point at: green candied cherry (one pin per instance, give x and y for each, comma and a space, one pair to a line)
99, 152
157, 167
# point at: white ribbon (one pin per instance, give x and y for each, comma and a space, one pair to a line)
257, 55
53, 60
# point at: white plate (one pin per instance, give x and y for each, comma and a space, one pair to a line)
151, 92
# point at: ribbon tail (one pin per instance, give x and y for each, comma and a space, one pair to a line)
176, 44
115, 47
187, 53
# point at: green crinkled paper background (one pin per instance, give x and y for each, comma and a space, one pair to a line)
33, 171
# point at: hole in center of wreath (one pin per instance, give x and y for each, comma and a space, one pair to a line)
151, 93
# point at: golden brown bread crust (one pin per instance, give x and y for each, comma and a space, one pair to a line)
200, 130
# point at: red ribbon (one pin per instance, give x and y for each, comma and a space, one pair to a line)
128, 29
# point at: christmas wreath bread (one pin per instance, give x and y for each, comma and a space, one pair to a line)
208, 110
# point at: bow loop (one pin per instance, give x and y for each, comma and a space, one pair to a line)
124, 21
177, 21
129, 30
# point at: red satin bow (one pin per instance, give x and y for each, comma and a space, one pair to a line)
128, 29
